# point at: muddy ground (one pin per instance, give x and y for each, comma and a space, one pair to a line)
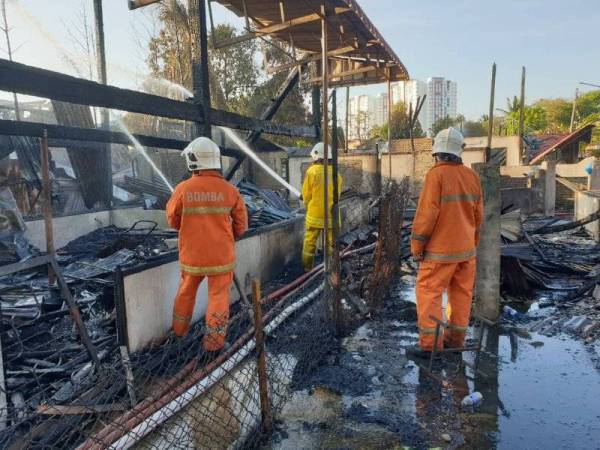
541, 392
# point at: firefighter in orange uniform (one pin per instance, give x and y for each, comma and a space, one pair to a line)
210, 215
444, 241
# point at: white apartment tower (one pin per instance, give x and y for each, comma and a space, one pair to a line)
360, 117
408, 92
441, 100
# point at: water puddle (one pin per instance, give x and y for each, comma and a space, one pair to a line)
540, 392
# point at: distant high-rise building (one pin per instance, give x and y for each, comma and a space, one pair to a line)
360, 117
408, 92
441, 100
378, 109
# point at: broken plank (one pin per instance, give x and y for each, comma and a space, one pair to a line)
77, 410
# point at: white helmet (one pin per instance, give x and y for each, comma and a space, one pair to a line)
318, 152
202, 154
450, 141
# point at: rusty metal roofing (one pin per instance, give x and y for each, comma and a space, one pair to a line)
582, 134
358, 53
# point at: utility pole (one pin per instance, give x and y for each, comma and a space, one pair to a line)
522, 117
10, 54
488, 149
104, 114
572, 126
200, 80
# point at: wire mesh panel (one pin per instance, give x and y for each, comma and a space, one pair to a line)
388, 250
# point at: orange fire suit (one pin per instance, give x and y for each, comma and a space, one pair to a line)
445, 235
313, 195
210, 215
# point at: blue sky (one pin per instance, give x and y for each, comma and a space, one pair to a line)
457, 39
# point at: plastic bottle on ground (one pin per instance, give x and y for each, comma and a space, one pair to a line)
473, 399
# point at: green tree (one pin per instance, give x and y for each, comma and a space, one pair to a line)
558, 114
535, 120
513, 104
443, 123
400, 125
472, 128
233, 70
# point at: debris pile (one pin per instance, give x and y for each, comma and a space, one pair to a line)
43, 358
555, 264
265, 206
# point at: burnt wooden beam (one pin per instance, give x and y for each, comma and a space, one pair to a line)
237, 122
286, 87
43, 83
23, 79
60, 136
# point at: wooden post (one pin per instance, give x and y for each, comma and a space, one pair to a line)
316, 110
200, 80
347, 138
522, 117
335, 278
47, 200
572, 126
104, 114
488, 149
261, 362
325, 133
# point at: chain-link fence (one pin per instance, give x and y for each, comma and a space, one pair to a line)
388, 251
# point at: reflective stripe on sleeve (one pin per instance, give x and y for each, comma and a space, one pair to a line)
420, 237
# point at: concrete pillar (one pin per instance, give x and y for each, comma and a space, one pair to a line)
487, 286
594, 177
549, 171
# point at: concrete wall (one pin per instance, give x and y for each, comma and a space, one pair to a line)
67, 228
587, 203
510, 143
149, 295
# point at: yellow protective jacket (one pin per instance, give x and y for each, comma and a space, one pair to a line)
449, 214
313, 194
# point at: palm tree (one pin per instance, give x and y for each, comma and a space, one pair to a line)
513, 105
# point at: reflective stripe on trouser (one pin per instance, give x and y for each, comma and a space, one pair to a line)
309, 248
458, 280
217, 312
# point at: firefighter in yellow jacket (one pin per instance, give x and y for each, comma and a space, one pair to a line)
313, 195
444, 240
